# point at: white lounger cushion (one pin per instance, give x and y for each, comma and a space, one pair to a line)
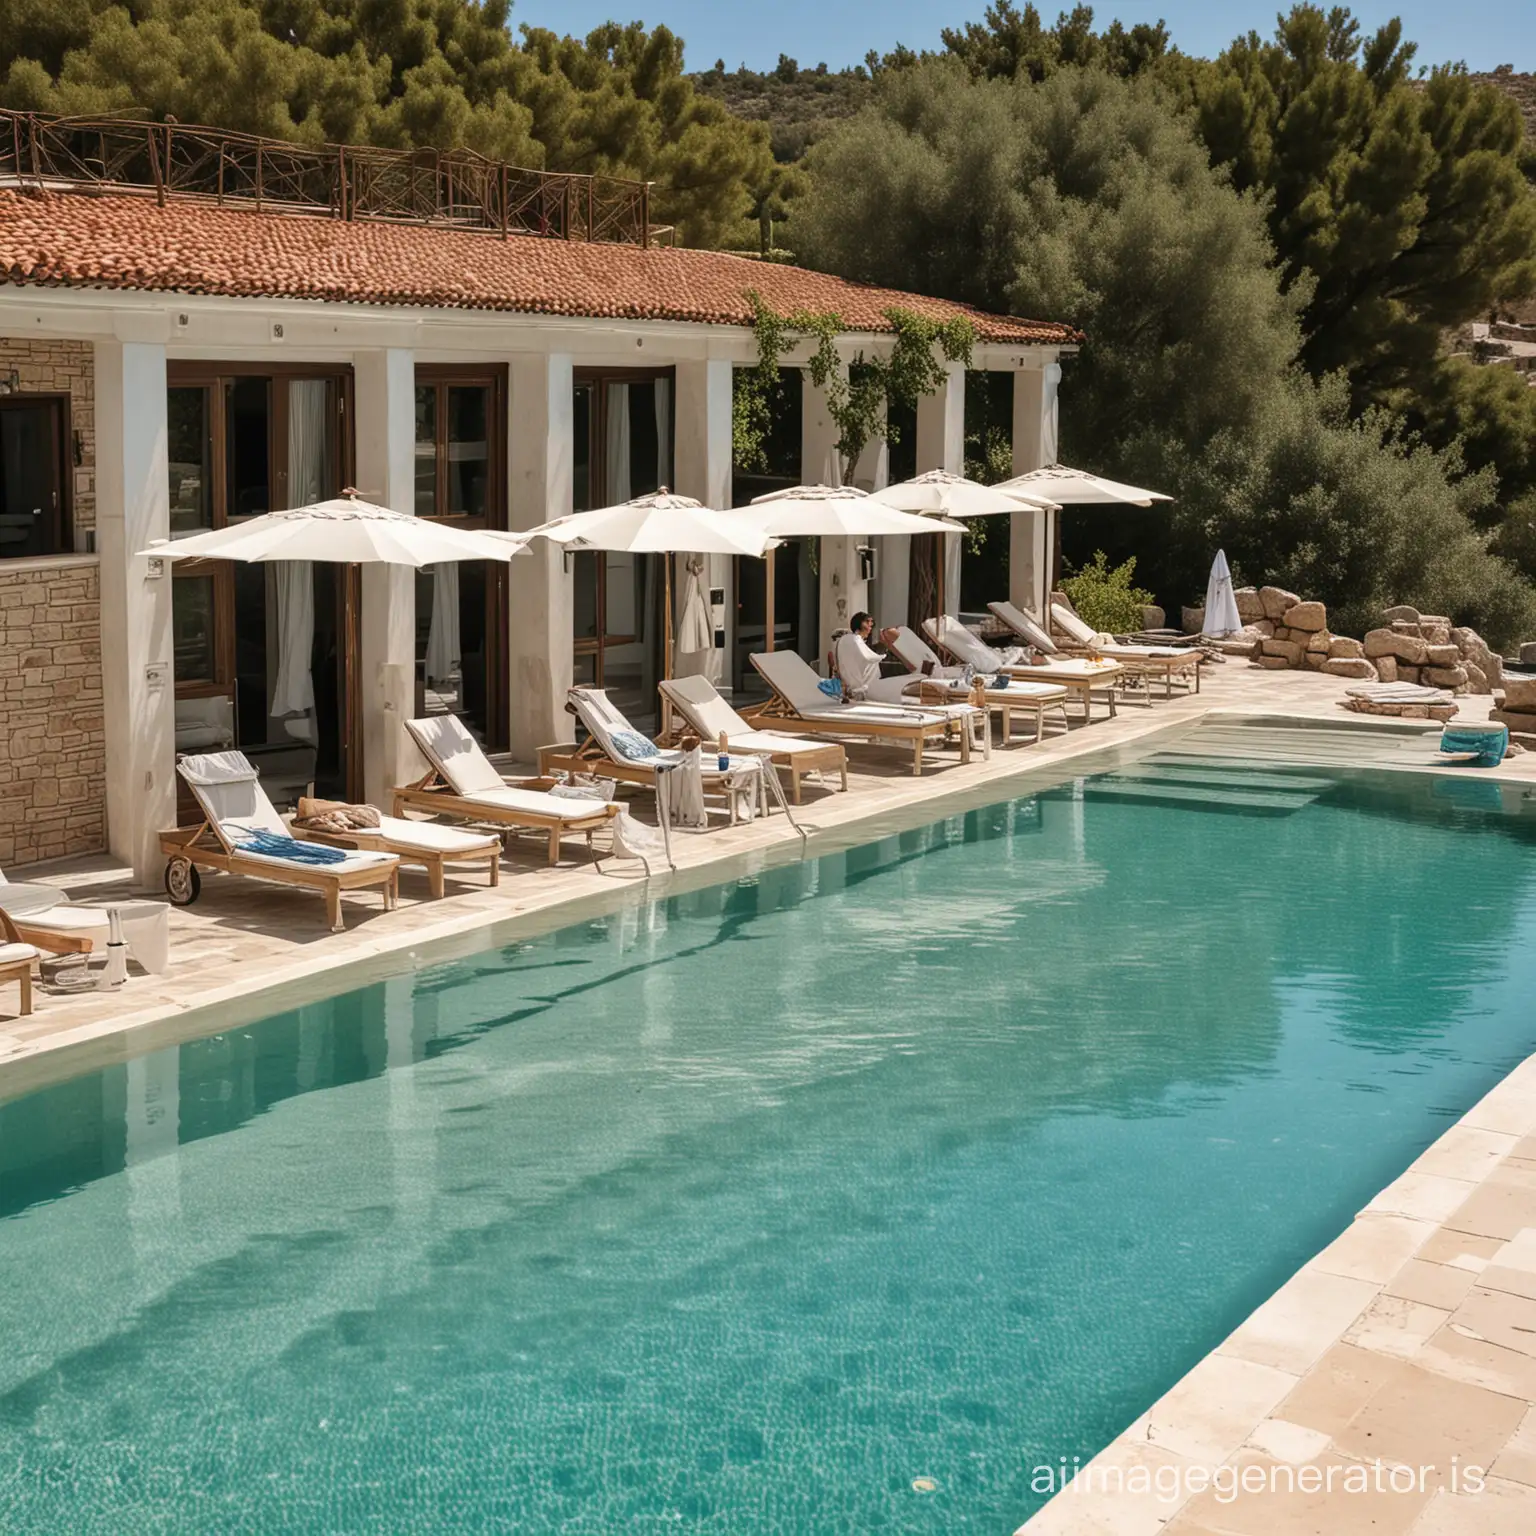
1025, 626
433, 836
14, 954
790, 674
959, 641
230, 794
455, 754
468, 773
1072, 626
698, 701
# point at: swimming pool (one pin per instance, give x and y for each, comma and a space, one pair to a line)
937, 1159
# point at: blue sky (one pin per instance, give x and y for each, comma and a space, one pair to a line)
1481, 32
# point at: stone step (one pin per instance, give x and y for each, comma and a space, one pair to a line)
1224, 775
1254, 802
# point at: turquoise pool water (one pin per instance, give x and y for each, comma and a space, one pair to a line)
937, 1159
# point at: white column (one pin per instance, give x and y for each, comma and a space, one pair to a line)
841, 591
539, 608
1031, 537
386, 472
132, 509
941, 445
873, 473
702, 465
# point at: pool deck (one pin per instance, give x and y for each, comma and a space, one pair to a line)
1411, 1339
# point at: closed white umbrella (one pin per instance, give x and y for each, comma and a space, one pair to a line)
345, 531
1077, 487
660, 523
1221, 615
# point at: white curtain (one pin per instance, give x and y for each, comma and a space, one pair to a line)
664, 434
306, 442
293, 691
444, 650
293, 582
618, 444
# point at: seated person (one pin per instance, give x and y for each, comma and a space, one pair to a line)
858, 665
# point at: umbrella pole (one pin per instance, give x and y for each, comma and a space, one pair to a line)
770, 562
938, 578
666, 653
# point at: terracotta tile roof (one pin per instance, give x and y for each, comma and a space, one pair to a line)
79, 240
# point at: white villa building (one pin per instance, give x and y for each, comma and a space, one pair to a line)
171, 360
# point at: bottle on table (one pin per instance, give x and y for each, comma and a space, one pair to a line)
725, 753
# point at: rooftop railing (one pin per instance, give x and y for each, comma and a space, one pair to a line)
454, 189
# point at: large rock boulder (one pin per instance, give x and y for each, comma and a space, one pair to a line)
1386, 668
1436, 631
1403, 613
1528, 653
1277, 602
1317, 643
1389, 642
1519, 693
1193, 620
1265, 628
1153, 617
1350, 666
1477, 679
1274, 663
1249, 608
1288, 650
1446, 655
1445, 677
1310, 617
1342, 648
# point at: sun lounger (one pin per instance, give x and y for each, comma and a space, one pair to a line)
614, 749
236, 811
16, 961
799, 700
427, 845
1080, 676
1164, 661
1012, 695
462, 783
701, 706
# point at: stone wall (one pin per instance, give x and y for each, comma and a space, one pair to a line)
60, 367
53, 784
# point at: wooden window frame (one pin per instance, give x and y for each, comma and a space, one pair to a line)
597, 645
442, 377
61, 423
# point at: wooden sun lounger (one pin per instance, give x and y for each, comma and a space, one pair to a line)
433, 794
1146, 661
794, 754
418, 852
919, 730
436, 795
191, 849
206, 845
1076, 674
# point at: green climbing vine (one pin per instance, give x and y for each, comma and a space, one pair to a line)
858, 398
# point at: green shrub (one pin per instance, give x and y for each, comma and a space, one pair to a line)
1105, 598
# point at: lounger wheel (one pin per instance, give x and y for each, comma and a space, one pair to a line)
183, 884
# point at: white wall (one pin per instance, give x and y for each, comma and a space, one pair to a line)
941, 445
539, 606
132, 509
1032, 535
385, 435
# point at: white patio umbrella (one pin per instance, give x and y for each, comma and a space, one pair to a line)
341, 531
345, 531
1076, 487
833, 511
660, 523
943, 492
1221, 615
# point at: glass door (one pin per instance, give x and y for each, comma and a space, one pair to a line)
623, 427
257, 661
461, 607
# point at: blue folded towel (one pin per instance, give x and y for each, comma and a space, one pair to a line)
832, 687
274, 846
635, 747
